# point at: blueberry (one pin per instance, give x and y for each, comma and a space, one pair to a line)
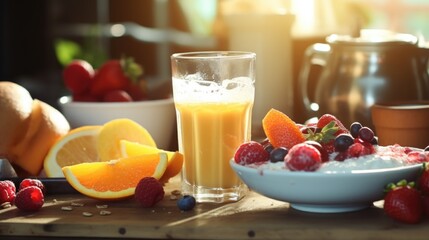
268, 147
278, 154
374, 140
354, 129
186, 203
343, 142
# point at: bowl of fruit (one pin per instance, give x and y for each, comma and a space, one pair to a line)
115, 91
323, 167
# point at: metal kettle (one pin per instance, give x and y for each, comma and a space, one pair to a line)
357, 72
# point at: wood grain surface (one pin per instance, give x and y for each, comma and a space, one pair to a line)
254, 217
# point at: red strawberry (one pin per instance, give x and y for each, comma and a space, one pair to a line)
330, 128
138, 91
7, 191
251, 152
78, 76
403, 202
117, 96
29, 199
115, 75
327, 118
425, 202
149, 191
423, 181
303, 157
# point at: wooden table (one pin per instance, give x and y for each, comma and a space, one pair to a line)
254, 217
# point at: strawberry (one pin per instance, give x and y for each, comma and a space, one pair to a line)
327, 128
403, 202
423, 181
29, 199
149, 191
251, 152
115, 75
117, 96
325, 119
303, 157
78, 76
425, 202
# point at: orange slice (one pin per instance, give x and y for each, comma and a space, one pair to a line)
115, 179
281, 130
108, 145
175, 159
77, 146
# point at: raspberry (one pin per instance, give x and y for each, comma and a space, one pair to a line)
358, 149
186, 203
32, 182
149, 191
303, 157
7, 191
251, 152
29, 199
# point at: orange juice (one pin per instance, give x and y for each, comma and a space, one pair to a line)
213, 94
209, 135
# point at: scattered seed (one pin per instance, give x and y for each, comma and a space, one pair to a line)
6, 205
176, 192
87, 214
102, 206
173, 197
105, 212
54, 200
77, 204
66, 208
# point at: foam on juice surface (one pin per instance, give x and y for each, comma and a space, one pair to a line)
195, 89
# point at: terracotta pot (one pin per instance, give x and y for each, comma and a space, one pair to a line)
404, 123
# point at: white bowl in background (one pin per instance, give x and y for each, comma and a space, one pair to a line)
324, 192
157, 116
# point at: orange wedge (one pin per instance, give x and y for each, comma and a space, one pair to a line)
115, 179
77, 146
175, 159
108, 141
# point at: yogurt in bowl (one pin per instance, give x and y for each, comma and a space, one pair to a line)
349, 185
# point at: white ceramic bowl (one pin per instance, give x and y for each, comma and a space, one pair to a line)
324, 192
157, 116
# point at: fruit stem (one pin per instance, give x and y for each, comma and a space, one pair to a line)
131, 69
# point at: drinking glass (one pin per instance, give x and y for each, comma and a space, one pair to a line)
213, 95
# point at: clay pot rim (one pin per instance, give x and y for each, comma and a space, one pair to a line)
403, 105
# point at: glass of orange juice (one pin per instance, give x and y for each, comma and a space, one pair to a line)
213, 95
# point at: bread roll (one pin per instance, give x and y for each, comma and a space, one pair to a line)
15, 110
29, 129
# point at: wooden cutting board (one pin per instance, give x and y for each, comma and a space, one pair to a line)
254, 217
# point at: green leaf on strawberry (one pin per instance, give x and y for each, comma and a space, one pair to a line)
326, 135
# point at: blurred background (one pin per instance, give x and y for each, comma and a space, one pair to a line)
39, 37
